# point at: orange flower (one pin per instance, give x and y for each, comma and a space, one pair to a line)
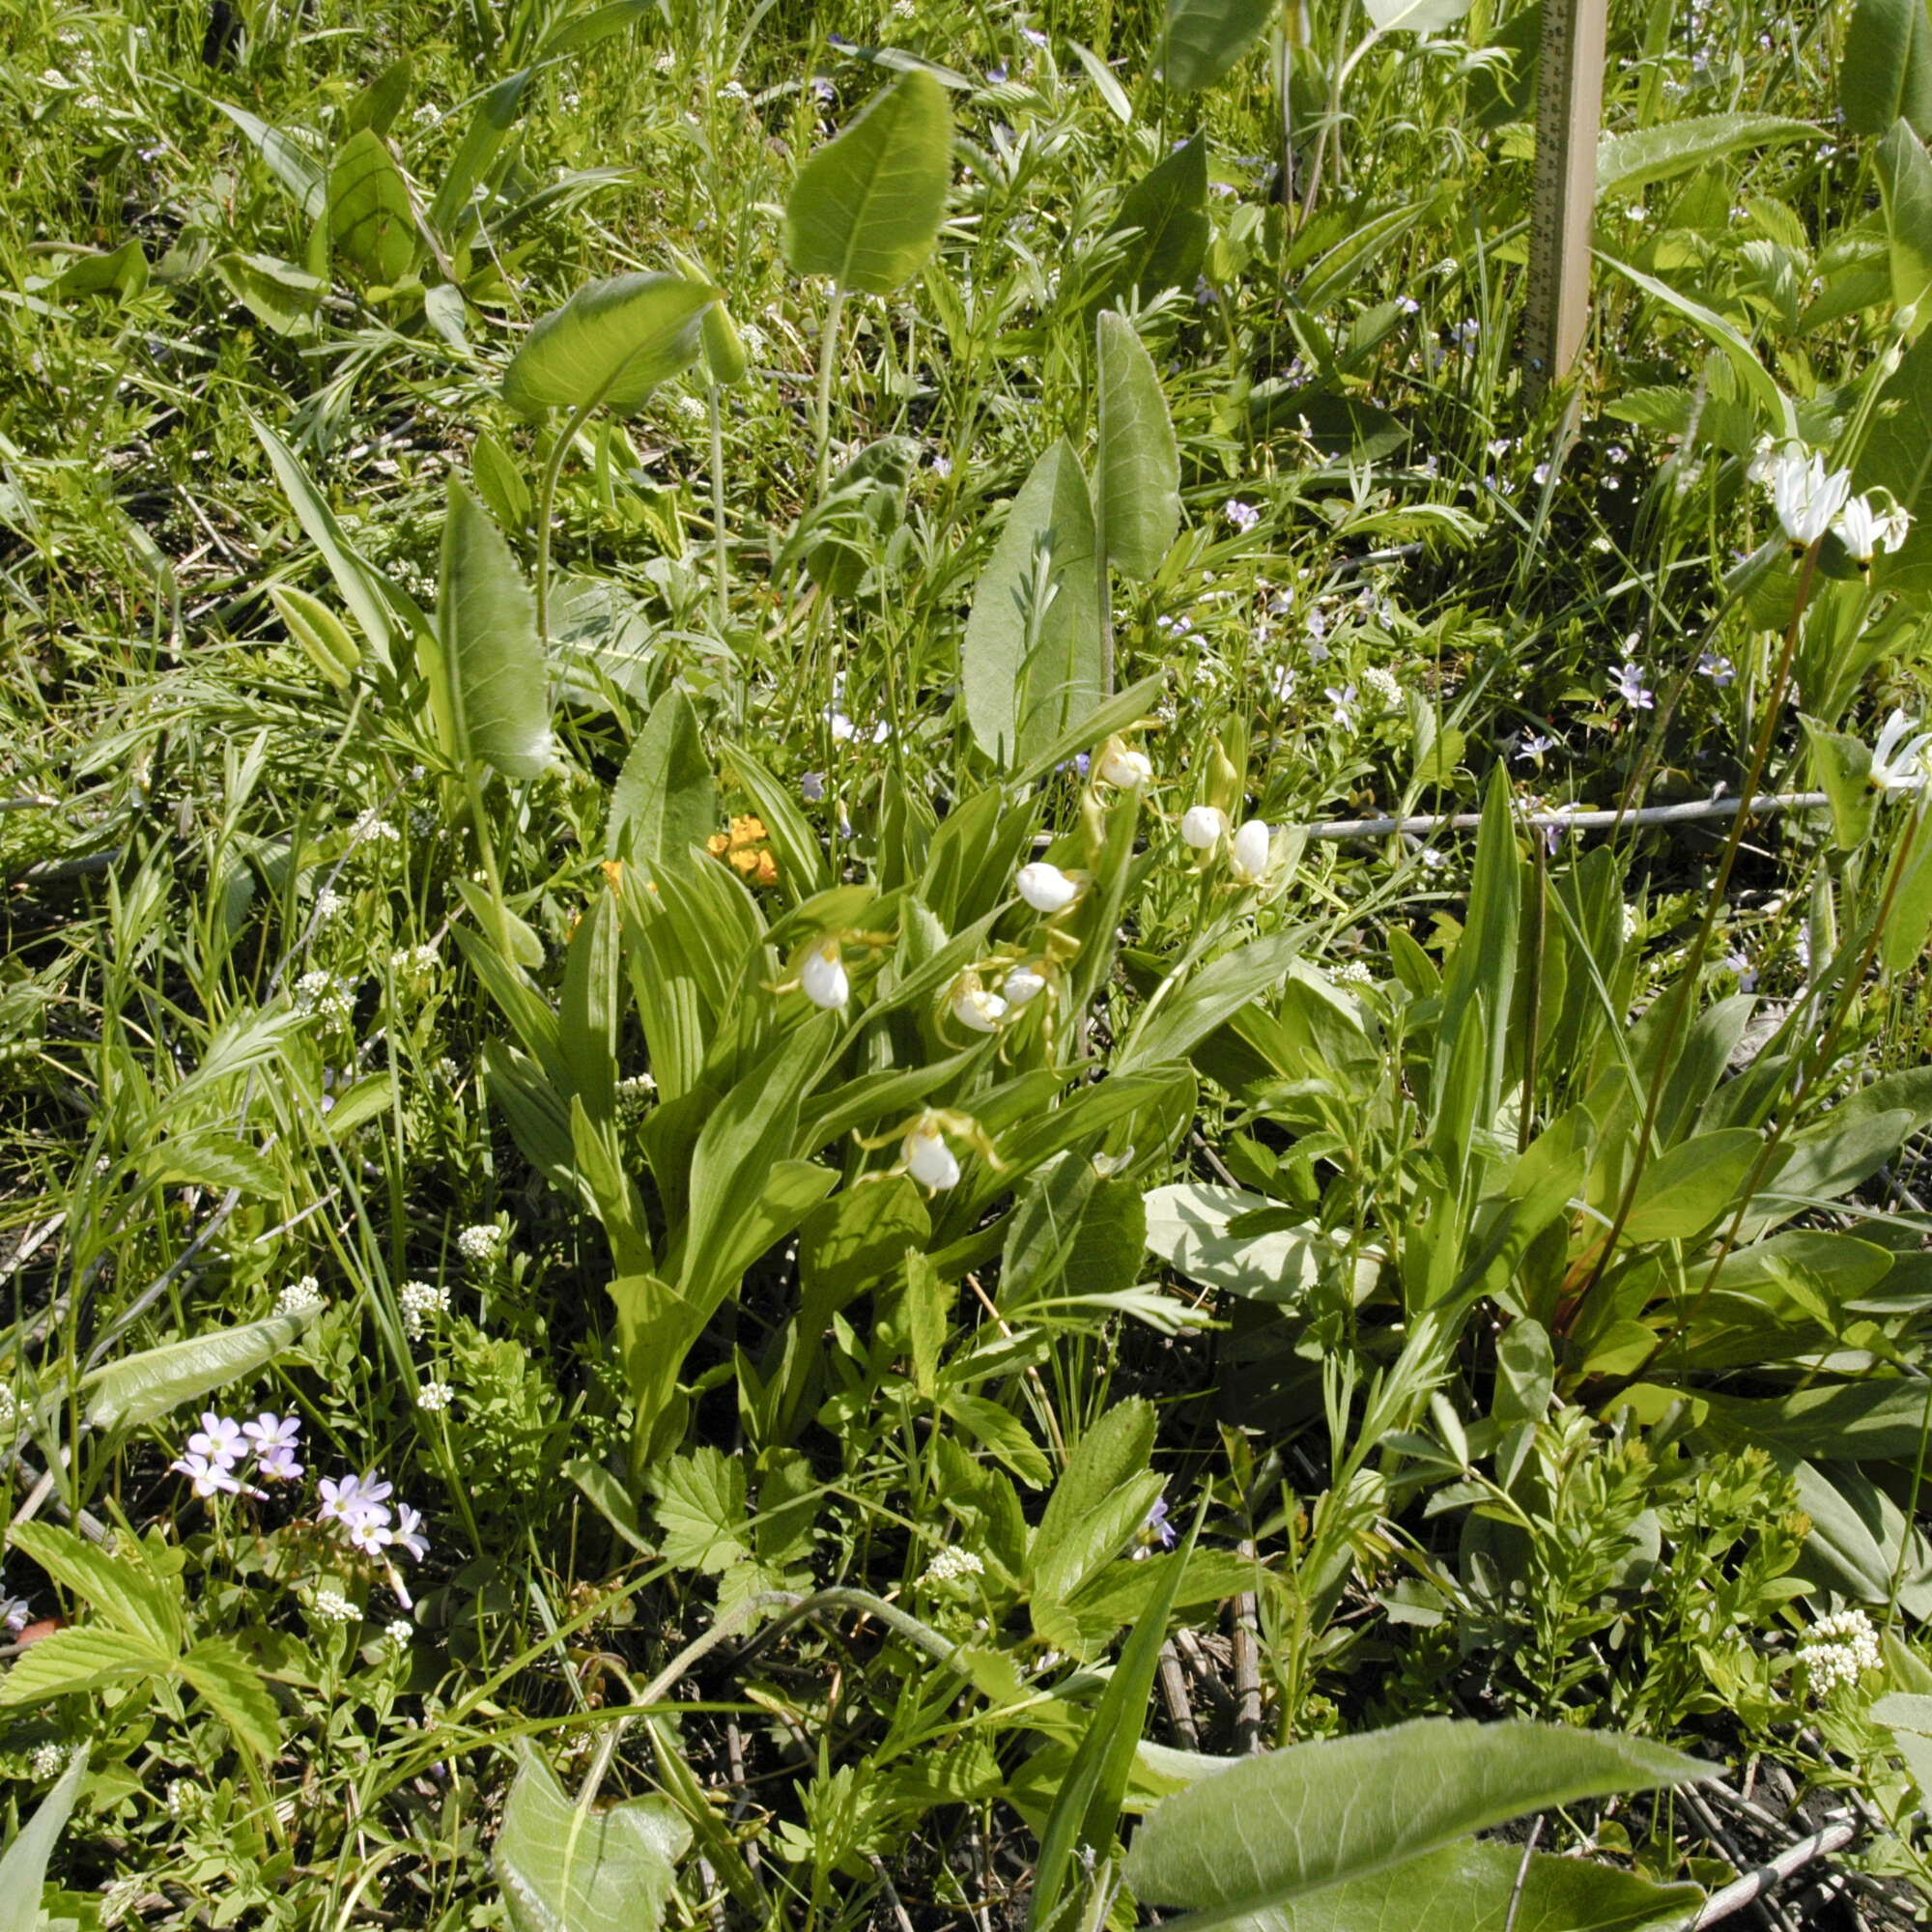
740, 850
613, 873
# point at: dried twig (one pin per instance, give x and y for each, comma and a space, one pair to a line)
1734, 1897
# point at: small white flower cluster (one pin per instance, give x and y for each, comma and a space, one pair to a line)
1384, 686
48, 1761
434, 1397
359, 1505
951, 1564
401, 1633
1353, 973
634, 1096
329, 906
414, 963
301, 1296
13, 1418
221, 1445
420, 1300
332, 1607
327, 994
183, 1798
372, 828
1843, 1647
482, 1246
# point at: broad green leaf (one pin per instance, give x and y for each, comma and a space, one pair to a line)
1187, 1227
1684, 1191
494, 116
122, 269
213, 1158
292, 159
1101, 1498
77, 1659
274, 292
666, 798
1110, 715
611, 343
1876, 1421
1206, 38
1898, 457
320, 631
701, 1508
1087, 1811
123, 1589
1315, 1814
1905, 180
23, 1867
1207, 999
1629, 162
1486, 1887
1908, 926
1886, 69
386, 97
1843, 764
230, 1685
491, 680
143, 1389
1019, 704
1167, 208
1414, 16
866, 208
927, 1300
1137, 468
566, 1869
361, 586
372, 221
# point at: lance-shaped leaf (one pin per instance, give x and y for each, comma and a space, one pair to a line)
1138, 473
1294, 1821
1206, 38
1167, 211
139, 1389
489, 687
866, 208
372, 221
1018, 702
1887, 70
23, 1870
613, 343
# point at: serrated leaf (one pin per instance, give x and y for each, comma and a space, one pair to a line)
611, 343
1629, 160
213, 1158
1206, 38
491, 680
77, 1659
566, 1869
701, 1508
122, 1589
232, 1688
866, 208
1294, 1821
1137, 469
142, 1388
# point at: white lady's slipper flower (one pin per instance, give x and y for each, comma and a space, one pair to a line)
1024, 984
1202, 826
823, 976
1898, 762
976, 1009
928, 1159
1808, 497
1124, 769
1046, 888
1248, 858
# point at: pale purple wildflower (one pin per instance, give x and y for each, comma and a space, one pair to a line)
218, 1439
275, 1438
1632, 689
408, 1533
350, 1493
1718, 667
210, 1478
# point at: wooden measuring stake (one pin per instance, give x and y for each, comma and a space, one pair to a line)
1569, 111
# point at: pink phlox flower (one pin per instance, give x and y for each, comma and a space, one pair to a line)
351, 1493
408, 1534
275, 1440
368, 1527
208, 1477
218, 1439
